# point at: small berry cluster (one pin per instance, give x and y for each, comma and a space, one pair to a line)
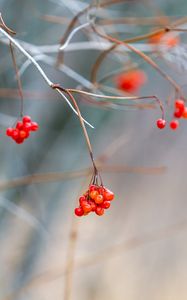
22, 129
179, 112
131, 81
96, 199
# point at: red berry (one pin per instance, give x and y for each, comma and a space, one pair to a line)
184, 115
19, 125
15, 134
99, 210
94, 194
22, 134
92, 187
179, 104
131, 81
19, 140
87, 207
93, 205
9, 131
99, 199
106, 204
79, 211
34, 126
178, 113
161, 123
108, 195
27, 126
82, 200
26, 119
174, 124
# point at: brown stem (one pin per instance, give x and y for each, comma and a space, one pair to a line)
58, 87
102, 56
75, 19
20, 90
142, 55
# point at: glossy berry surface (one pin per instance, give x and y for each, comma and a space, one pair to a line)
174, 124
22, 129
161, 123
95, 200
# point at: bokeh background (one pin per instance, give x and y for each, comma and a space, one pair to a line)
137, 250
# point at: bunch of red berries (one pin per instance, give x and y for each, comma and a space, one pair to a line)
179, 112
96, 199
22, 129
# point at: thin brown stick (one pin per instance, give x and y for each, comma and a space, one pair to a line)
20, 89
103, 55
60, 176
142, 55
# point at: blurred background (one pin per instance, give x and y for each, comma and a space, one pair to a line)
137, 250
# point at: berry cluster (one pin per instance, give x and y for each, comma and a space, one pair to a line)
96, 199
179, 112
131, 81
22, 129
168, 39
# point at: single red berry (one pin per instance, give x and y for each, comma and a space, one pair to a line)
179, 104
108, 195
106, 204
93, 205
99, 199
27, 134
26, 119
87, 208
9, 131
184, 115
99, 210
22, 134
19, 125
178, 113
92, 187
82, 200
27, 126
34, 126
94, 194
161, 123
131, 81
79, 211
19, 140
15, 133
174, 124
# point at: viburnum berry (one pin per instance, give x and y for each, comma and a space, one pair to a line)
27, 119
96, 199
168, 39
22, 129
79, 211
184, 115
161, 123
178, 113
9, 131
174, 124
99, 210
179, 104
131, 81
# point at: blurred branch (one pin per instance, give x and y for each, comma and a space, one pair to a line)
60, 176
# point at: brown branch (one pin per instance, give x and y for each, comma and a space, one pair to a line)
103, 55
142, 55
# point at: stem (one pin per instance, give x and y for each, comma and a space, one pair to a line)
40, 70
102, 56
67, 91
20, 89
141, 54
